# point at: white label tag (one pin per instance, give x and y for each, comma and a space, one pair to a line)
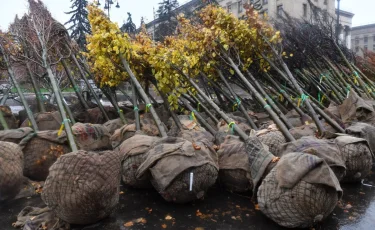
191, 181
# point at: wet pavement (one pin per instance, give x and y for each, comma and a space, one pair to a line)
221, 210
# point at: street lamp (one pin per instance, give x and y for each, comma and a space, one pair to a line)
107, 5
338, 22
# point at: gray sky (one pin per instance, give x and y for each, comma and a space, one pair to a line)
363, 10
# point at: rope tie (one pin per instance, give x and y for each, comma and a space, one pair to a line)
302, 99
136, 108
267, 106
192, 115
348, 88
231, 127
356, 76
120, 111
321, 78
281, 96
198, 107
237, 104
62, 126
148, 107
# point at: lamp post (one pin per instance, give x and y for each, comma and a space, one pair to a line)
107, 5
338, 22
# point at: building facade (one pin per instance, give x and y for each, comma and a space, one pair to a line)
296, 9
363, 38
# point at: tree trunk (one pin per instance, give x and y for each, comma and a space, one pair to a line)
38, 93
83, 75
136, 110
158, 122
73, 83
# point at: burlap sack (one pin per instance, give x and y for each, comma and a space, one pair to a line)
355, 108
171, 161
195, 136
15, 135
83, 187
133, 152
31, 218
91, 137
148, 127
365, 131
300, 191
11, 166
40, 151
95, 115
113, 125
9, 117
234, 168
271, 137
322, 148
357, 156
186, 122
304, 131
45, 121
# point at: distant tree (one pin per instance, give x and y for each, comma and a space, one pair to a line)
80, 24
168, 23
129, 27
143, 24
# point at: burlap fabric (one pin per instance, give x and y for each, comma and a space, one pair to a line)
113, 125
300, 191
271, 137
40, 151
259, 159
95, 116
45, 121
222, 126
148, 127
357, 156
133, 152
355, 109
33, 218
296, 120
9, 117
234, 172
11, 166
15, 135
365, 131
83, 187
186, 123
195, 136
172, 160
322, 148
304, 131
91, 136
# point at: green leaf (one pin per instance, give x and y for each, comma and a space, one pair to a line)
231, 71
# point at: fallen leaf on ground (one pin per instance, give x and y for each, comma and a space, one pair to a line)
141, 220
348, 206
121, 192
168, 217
351, 218
198, 213
164, 226
199, 228
256, 207
129, 224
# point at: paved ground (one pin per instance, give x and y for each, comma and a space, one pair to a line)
221, 210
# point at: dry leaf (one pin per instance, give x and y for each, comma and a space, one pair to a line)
198, 213
256, 207
141, 220
164, 226
168, 217
129, 224
199, 228
121, 192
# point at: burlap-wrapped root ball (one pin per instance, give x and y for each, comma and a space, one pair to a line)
181, 171
83, 187
234, 168
41, 150
133, 152
300, 191
273, 138
45, 121
11, 165
326, 149
357, 157
91, 137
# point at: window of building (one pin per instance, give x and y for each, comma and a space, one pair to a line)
373, 47
305, 10
325, 2
374, 38
279, 10
356, 40
265, 2
365, 48
356, 49
240, 7
365, 39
